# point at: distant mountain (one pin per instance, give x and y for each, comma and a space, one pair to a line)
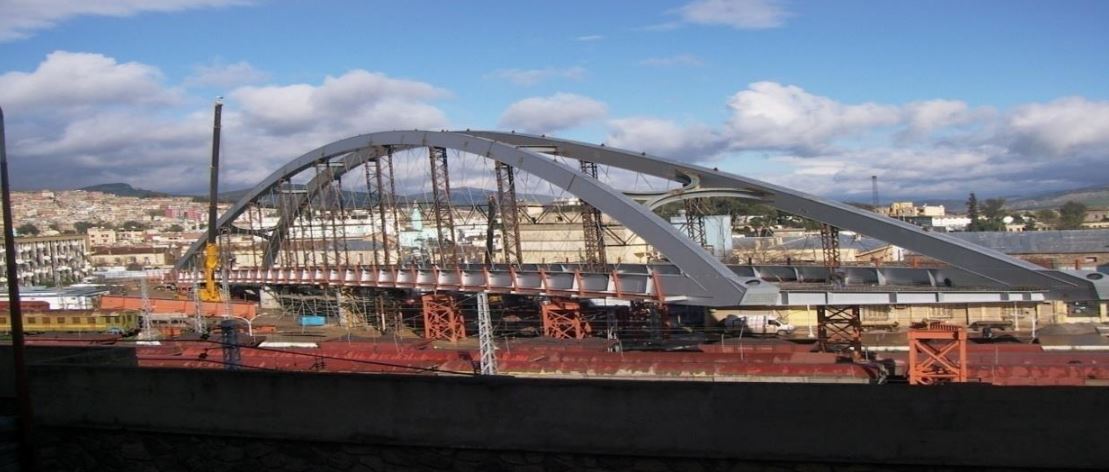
473, 196
124, 190
1093, 197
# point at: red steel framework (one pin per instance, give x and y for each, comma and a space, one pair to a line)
839, 329
442, 318
444, 216
937, 354
562, 319
593, 233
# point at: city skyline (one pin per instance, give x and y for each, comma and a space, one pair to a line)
938, 100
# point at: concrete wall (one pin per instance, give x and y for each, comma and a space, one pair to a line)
969, 425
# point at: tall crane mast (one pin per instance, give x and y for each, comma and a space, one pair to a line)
210, 292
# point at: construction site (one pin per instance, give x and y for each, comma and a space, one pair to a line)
322, 273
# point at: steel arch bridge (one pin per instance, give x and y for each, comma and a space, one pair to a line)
691, 276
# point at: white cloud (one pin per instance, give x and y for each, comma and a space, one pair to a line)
680, 60
663, 138
528, 77
121, 123
553, 113
72, 80
226, 75
1060, 127
357, 101
739, 14
21, 18
933, 148
769, 115
590, 37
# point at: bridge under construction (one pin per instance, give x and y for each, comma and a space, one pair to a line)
329, 232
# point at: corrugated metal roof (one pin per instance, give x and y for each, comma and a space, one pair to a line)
1041, 242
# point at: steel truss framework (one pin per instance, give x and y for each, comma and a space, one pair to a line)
725, 287
442, 318
562, 319
937, 354
839, 329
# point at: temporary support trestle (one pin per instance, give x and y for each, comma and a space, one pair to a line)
839, 329
937, 354
829, 241
447, 252
442, 318
510, 213
593, 232
562, 319
695, 221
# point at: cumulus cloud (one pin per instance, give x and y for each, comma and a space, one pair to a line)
739, 14
73, 80
680, 60
553, 113
1061, 127
528, 77
121, 122
769, 115
932, 148
664, 137
23, 17
226, 75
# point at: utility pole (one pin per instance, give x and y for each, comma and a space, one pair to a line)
19, 362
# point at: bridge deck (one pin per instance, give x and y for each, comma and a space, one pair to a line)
642, 282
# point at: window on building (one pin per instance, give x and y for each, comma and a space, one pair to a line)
75, 319
46, 320
90, 320
1083, 308
61, 319
3, 320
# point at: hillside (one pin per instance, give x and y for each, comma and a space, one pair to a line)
1092, 197
123, 190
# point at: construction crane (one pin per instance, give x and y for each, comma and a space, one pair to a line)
210, 292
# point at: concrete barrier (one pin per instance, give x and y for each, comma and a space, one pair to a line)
957, 425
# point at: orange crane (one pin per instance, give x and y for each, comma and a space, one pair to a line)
210, 292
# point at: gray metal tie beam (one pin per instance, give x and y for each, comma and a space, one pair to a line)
1004, 269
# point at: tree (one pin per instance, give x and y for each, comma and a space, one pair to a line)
82, 227
132, 225
27, 229
972, 208
1071, 215
994, 209
1047, 217
175, 228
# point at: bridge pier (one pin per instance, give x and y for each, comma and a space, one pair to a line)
442, 318
562, 319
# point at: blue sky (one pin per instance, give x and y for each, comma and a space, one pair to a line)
938, 98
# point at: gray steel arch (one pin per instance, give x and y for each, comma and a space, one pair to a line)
1001, 268
695, 263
